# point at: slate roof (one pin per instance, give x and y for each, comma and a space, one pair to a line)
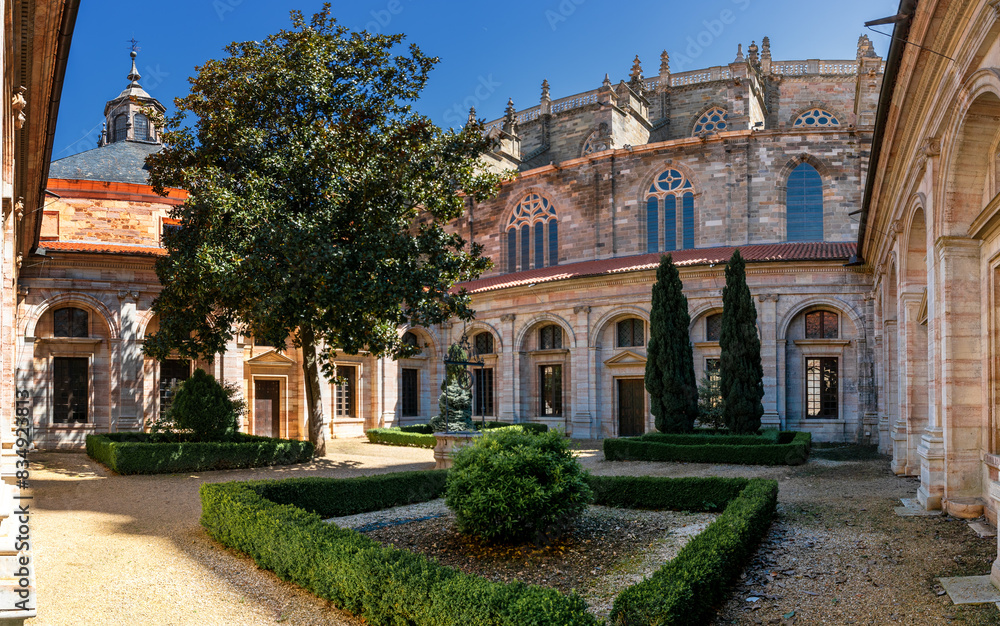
100, 247
761, 253
120, 162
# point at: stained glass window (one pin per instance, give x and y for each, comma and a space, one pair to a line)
712, 121
816, 117
70, 322
821, 325
687, 204
670, 223
532, 212
652, 224
670, 185
539, 245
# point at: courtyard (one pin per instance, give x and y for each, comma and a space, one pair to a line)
116, 549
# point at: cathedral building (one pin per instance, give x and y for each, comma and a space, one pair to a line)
763, 155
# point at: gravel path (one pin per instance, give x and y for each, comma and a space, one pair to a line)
129, 549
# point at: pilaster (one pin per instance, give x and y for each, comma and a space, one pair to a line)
508, 402
767, 314
130, 359
582, 424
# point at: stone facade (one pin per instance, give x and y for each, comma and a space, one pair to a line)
584, 223
930, 236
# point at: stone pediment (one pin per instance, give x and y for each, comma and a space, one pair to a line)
626, 358
271, 357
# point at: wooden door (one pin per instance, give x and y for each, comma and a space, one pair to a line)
266, 414
631, 407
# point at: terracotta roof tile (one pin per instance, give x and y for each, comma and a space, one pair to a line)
100, 247
762, 253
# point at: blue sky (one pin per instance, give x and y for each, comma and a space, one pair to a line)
489, 52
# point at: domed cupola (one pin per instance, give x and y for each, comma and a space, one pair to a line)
124, 117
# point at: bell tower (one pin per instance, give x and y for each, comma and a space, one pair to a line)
124, 116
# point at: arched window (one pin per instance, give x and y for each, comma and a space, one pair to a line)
804, 205
631, 333
70, 322
713, 327
483, 343
712, 121
534, 218
141, 125
822, 325
410, 339
816, 117
663, 194
120, 127
550, 337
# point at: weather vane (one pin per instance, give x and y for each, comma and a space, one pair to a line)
134, 41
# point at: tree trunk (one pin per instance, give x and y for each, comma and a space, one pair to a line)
314, 403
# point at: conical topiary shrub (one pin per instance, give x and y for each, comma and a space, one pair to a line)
741, 377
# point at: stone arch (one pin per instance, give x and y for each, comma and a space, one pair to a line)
478, 326
539, 319
826, 175
143, 320
432, 341
966, 159
598, 140
548, 222
703, 311
913, 267
841, 306
614, 315
70, 298
652, 171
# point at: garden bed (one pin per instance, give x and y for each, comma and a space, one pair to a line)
788, 448
134, 453
280, 525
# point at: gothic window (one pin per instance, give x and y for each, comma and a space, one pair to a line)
822, 387
661, 204
346, 391
121, 128
631, 333
410, 392
550, 337
534, 219
70, 322
483, 343
69, 390
804, 204
816, 117
713, 327
140, 125
483, 388
712, 121
821, 325
551, 390
595, 143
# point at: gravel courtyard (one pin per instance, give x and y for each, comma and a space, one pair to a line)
129, 549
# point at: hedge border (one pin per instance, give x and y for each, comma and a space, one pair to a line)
131, 453
416, 435
792, 449
279, 524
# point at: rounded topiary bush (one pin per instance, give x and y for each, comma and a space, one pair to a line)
204, 408
511, 486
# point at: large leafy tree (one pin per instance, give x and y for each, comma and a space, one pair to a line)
317, 199
741, 374
673, 392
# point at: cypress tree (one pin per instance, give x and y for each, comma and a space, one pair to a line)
673, 392
742, 377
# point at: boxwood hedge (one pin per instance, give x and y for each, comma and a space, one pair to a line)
421, 435
791, 448
279, 524
133, 453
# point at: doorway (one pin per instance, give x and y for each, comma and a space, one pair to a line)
631, 407
266, 416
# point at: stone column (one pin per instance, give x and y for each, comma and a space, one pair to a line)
911, 420
583, 376
890, 372
389, 397
950, 446
767, 313
781, 392
130, 360
508, 402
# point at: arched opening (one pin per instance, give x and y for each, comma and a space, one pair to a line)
804, 204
